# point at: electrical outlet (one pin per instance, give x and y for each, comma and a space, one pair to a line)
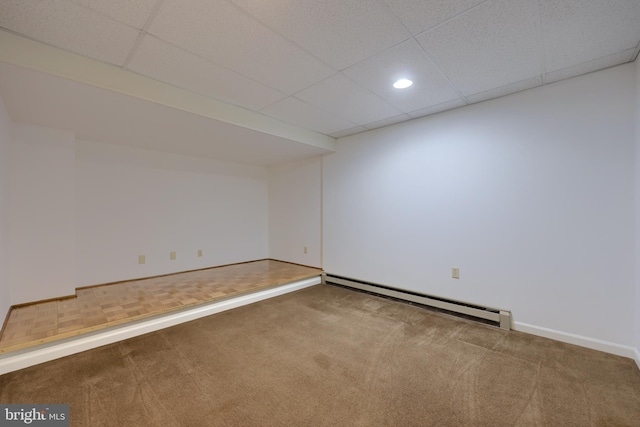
142, 259
172, 256
199, 252
455, 273
305, 249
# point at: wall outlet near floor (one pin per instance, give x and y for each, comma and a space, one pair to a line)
142, 259
199, 252
455, 273
172, 256
305, 249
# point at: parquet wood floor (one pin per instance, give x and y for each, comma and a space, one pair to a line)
100, 307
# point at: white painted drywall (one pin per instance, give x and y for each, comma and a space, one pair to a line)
134, 202
295, 195
42, 213
530, 195
637, 211
5, 293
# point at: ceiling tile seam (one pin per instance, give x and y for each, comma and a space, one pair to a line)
103, 15
331, 113
284, 95
327, 111
133, 49
189, 90
357, 84
411, 37
372, 93
152, 16
392, 12
400, 109
33, 39
34, 55
377, 53
352, 81
318, 82
634, 57
312, 106
541, 49
367, 89
442, 73
397, 18
143, 32
456, 16
282, 36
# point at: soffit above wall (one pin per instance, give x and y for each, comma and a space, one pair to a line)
45, 86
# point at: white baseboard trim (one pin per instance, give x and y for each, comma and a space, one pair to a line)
582, 341
33, 356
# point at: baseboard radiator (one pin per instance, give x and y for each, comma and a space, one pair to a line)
495, 316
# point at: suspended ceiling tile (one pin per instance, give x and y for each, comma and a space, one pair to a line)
589, 66
505, 90
340, 96
483, 49
134, 13
159, 60
225, 35
420, 15
32, 55
101, 115
69, 26
488, 46
406, 60
438, 108
340, 32
300, 113
577, 31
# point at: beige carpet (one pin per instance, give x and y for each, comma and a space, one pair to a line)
327, 356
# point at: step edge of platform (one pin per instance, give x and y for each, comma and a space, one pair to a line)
32, 356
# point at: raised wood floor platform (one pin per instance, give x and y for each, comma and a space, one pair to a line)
101, 307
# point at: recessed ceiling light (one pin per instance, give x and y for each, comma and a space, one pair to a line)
402, 84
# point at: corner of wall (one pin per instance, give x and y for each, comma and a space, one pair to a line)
41, 213
637, 210
209, 212
413, 186
295, 205
5, 290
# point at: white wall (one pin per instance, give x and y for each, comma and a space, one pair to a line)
42, 213
5, 293
637, 252
134, 202
295, 197
81, 212
530, 195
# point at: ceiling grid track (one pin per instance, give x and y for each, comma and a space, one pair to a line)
311, 70
143, 32
543, 61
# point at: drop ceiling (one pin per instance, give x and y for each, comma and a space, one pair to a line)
327, 66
